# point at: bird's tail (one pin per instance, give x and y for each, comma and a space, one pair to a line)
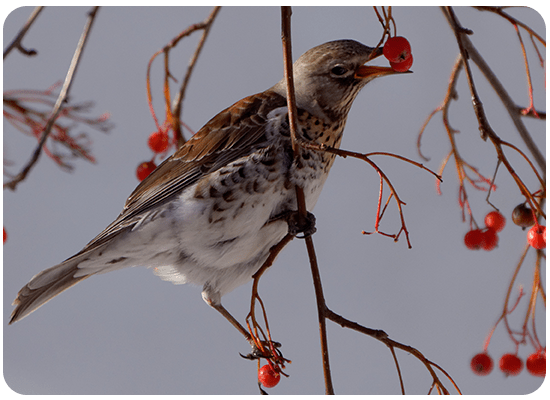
44, 286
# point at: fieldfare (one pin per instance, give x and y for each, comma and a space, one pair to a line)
210, 213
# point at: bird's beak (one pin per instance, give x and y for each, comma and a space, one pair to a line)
372, 71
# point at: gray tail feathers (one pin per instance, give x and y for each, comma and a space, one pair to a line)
44, 286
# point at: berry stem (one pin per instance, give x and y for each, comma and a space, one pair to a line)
505, 311
531, 108
536, 287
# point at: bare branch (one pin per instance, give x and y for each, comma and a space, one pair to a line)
469, 51
383, 337
499, 11
460, 33
62, 98
16, 43
286, 13
178, 100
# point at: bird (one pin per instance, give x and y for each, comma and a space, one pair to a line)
210, 213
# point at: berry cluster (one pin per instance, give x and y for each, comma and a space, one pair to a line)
159, 142
486, 239
397, 50
510, 364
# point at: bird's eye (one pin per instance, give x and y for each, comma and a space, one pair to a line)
339, 70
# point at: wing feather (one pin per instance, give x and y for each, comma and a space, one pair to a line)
233, 133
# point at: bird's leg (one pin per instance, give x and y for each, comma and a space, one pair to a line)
266, 348
222, 310
260, 348
213, 299
216, 305
256, 352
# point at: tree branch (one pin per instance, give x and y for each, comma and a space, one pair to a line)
62, 98
469, 51
16, 43
286, 13
178, 100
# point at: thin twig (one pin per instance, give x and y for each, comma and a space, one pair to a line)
444, 106
178, 100
500, 12
321, 309
460, 32
62, 98
16, 43
508, 103
468, 48
286, 13
364, 157
383, 337
460, 163
531, 108
166, 49
505, 311
398, 368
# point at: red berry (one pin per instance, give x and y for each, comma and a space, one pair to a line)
482, 364
474, 239
402, 66
536, 364
523, 216
5, 235
158, 141
510, 364
495, 221
144, 169
536, 236
268, 376
397, 49
490, 239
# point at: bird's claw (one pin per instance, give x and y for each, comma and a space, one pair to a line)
297, 223
256, 353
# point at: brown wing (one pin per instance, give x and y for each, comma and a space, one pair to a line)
233, 133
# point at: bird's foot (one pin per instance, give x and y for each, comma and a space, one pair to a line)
297, 223
270, 348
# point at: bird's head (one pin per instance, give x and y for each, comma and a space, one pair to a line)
327, 78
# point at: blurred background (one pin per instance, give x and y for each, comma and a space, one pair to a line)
128, 332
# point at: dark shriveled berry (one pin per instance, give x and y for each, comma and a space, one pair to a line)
523, 216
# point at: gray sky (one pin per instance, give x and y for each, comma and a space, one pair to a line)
128, 332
